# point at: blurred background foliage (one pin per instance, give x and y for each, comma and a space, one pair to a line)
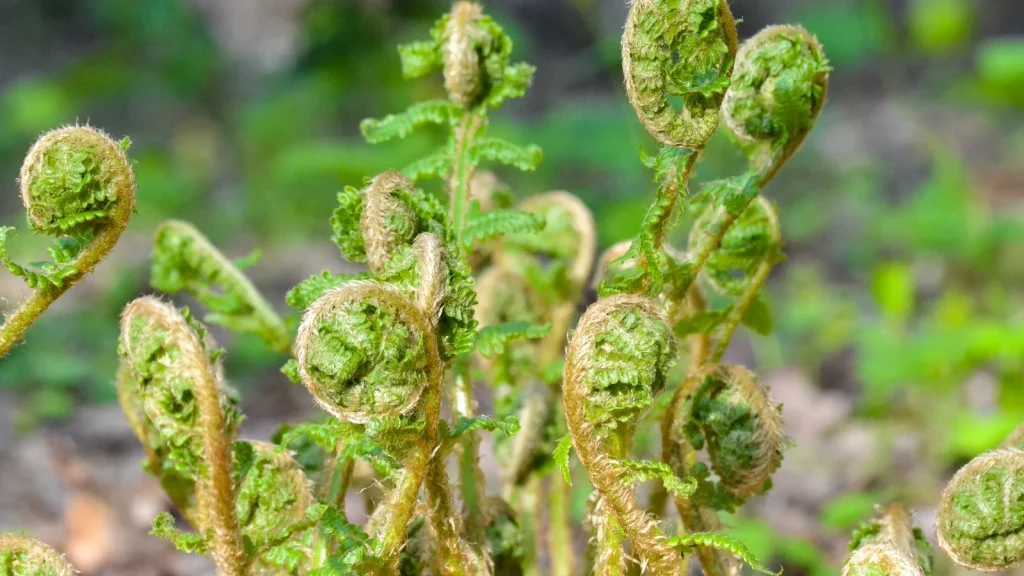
904, 283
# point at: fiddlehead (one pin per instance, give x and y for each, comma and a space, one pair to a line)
183, 259
369, 353
777, 92
678, 50
617, 360
183, 396
981, 515
76, 184
474, 55
890, 544
728, 411
21, 556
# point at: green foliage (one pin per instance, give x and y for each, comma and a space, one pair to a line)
492, 340
184, 260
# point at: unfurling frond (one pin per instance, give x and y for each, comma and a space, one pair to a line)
184, 260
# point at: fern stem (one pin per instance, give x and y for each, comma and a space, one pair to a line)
462, 169
470, 475
560, 530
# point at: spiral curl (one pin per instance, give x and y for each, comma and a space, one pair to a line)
362, 352
891, 545
184, 397
679, 49
728, 410
778, 90
22, 556
617, 360
77, 184
981, 512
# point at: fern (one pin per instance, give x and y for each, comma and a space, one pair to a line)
492, 340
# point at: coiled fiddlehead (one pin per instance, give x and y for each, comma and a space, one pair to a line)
678, 50
21, 556
891, 545
981, 512
76, 184
369, 351
777, 92
617, 360
727, 410
183, 259
183, 397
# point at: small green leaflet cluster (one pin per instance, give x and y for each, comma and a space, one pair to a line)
641, 268
184, 260
43, 274
722, 542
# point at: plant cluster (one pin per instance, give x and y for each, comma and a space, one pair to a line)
479, 289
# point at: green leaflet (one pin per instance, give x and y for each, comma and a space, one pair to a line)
638, 471
492, 340
640, 269
561, 457
498, 223
433, 166
401, 125
312, 288
184, 260
722, 542
163, 526
525, 158
42, 274
508, 425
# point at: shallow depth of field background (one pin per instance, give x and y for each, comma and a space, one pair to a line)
898, 350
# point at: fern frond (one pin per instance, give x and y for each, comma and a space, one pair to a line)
434, 166
401, 125
725, 543
508, 425
638, 471
163, 527
311, 289
492, 340
498, 223
561, 457
184, 260
525, 158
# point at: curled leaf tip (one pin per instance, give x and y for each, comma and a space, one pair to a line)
75, 180
679, 50
362, 351
777, 92
980, 517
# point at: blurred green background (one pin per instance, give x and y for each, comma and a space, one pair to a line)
900, 300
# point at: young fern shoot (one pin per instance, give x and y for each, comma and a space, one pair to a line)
184, 260
891, 544
77, 185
